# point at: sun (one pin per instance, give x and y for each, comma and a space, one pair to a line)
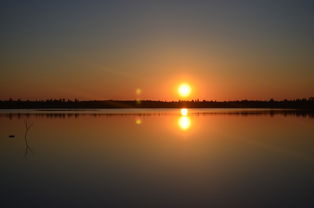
184, 90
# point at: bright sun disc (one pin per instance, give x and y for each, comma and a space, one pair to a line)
184, 90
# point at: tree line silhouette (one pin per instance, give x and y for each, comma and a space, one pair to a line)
75, 114
305, 103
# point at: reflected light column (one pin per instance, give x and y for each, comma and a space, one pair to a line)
184, 121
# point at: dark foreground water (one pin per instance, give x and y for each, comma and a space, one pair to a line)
157, 158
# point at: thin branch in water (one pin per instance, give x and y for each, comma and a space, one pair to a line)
27, 146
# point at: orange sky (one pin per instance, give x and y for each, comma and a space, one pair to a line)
103, 50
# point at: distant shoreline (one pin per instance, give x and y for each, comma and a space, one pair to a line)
70, 113
304, 104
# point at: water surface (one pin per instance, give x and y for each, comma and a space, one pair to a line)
157, 158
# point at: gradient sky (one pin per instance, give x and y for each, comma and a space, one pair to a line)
107, 49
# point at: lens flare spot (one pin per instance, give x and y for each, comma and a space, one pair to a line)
138, 91
138, 121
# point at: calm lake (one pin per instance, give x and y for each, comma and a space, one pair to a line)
157, 158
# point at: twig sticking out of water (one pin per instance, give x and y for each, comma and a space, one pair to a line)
27, 147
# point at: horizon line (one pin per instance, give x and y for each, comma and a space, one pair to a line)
151, 100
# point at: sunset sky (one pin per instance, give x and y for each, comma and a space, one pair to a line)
224, 50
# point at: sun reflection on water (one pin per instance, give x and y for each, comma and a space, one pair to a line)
184, 120
184, 111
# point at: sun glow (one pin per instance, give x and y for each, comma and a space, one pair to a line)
184, 90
